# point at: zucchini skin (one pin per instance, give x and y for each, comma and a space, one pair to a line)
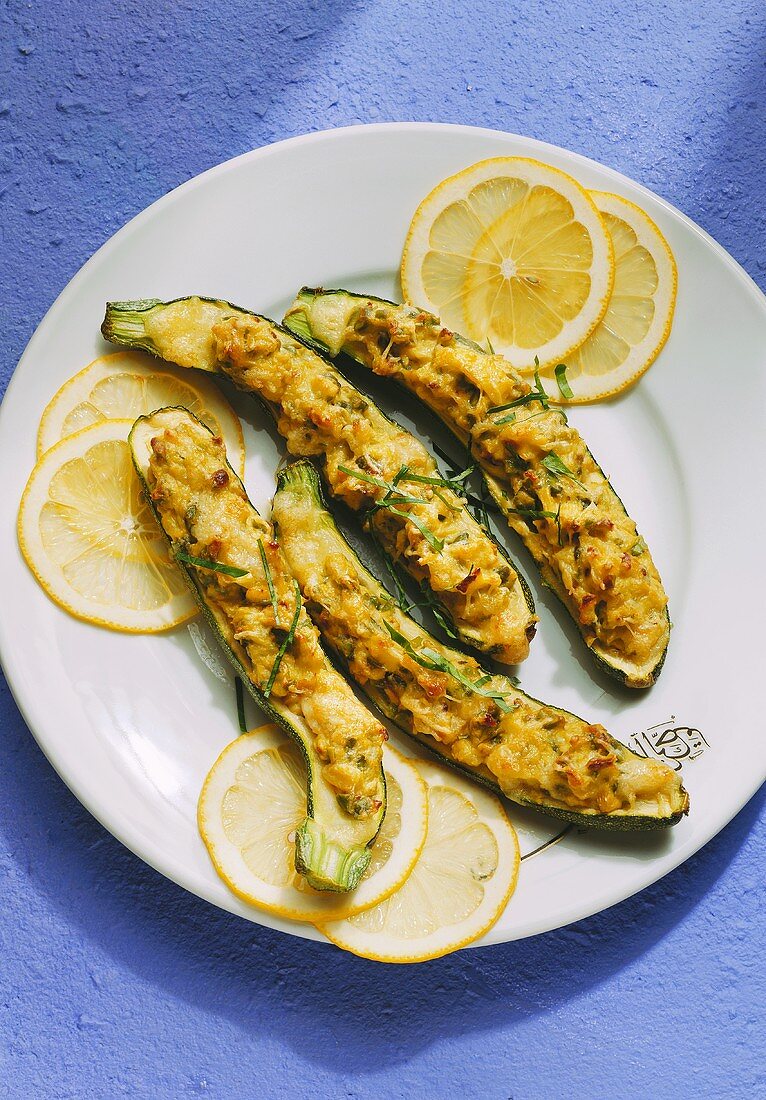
123, 324
301, 478
297, 320
309, 836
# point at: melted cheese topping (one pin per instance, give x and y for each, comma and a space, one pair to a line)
541, 473
534, 752
206, 513
426, 528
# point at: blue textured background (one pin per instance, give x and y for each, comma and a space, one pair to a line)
114, 982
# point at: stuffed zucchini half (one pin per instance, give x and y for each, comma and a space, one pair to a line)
242, 582
536, 467
537, 755
376, 467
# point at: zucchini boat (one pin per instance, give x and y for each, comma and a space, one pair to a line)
536, 467
242, 582
376, 467
535, 754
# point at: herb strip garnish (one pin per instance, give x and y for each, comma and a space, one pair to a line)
405, 605
533, 513
536, 394
437, 611
239, 689
401, 594
430, 659
289, 638
269, 581
435, 543
394, 497
560, 371
554, 465
405, 476
447, 482
207, 563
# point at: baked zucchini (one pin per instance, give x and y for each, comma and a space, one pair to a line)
536, 467
241, 580
537, 755
376, 467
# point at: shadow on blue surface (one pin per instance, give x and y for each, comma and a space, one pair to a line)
732, 157
323, 1003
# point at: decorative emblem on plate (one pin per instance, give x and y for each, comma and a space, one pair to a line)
675, 745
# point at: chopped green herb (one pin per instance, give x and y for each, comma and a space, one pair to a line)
525, 399
446, 503
430, 601
430, 659
533, 513
537, 393
240, 704
560, 371
394, 497
482, 506
539, 387
378, 482
269, 580
289, 638
558, 468
401, 594
435, 543
441, 619
638, 547
207, 563
446, 482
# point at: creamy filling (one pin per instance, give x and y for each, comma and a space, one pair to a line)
534, 752
553, 493
373, 466
206, 513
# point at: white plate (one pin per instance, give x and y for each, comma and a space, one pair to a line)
133, 723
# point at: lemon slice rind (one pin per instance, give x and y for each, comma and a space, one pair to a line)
180, 605
596, 387
286, 801
440, 850
209, 399
453, 191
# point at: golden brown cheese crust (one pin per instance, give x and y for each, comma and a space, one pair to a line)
572, 522
204, 508
534, 752
319, 413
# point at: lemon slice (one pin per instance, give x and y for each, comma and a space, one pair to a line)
458, 888
91, 540
254, 799
513, 254
639, 315
129, 384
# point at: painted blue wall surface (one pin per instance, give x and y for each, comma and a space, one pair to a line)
113, 981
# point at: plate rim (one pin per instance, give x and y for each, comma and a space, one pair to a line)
124, 833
